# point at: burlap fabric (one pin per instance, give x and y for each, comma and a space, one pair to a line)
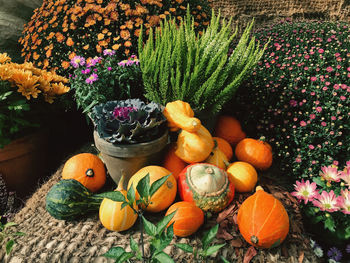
51, 240
270, 11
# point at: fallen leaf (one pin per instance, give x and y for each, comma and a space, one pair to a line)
249, 254
234, 218
223, 234
236, 242
301, 257
284, 251
224, 214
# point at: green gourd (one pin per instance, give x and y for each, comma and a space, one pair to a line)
69, 200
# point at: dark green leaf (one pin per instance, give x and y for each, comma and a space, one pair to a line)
124, 204
185, 247
163, 258
143, 186
329, 224
131, 195
114, 252
150, 228
139, 202
157, 184
20, 234
9, 246
224, 260
212, 249
115, 196
209, 236
124, 257
133, 245
170, 231
164, 222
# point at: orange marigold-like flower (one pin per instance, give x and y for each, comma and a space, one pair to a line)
4, 58
125, 34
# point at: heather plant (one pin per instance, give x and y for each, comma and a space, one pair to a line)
105, 78
178, 64
60, 30
298, 96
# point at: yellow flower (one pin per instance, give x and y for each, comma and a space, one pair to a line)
5, 72
26, 83
4, 58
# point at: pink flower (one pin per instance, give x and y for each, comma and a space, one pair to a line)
312, 93
345, 176
337, 54
312, 116
342, 98
330, 173
333, 118
320, 50
318, 109
305, 191
324, 124
302, 123
313, 78
336, 86
298, 160
343, 201
329, 69
93, 77
326, 201
324, 88
293, 103
311, 147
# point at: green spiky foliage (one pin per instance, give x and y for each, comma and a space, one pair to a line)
179, 64
129, 121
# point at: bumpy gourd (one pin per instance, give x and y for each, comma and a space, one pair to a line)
262, 220
194, 147
113, 216
180, 116
206, 185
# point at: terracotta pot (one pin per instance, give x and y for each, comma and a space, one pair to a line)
130, 157
23, 162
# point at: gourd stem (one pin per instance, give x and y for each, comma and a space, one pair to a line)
121, 181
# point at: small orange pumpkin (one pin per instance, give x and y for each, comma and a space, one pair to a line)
262, 220
172, 162
87, 169
217, 157
229, 128
194, 147
224, 146
113, 216
256, 152
243, 176
187, 219
165, 195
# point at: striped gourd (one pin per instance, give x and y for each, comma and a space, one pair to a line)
69, 200
113, 216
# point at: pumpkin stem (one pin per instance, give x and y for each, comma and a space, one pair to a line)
209, 170
226, 163
259, 188
254, 240
262, 138
121, 181
90, 173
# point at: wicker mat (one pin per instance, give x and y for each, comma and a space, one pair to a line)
51, 240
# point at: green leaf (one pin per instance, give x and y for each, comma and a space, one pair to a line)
133, 245
143, 186
209, 236
185, 247
150, 228
9, 224
212, 249
124, 257
164, 222
115, 196
163, 258
124, 204
329, 224
157, 184
224, 260
9, 246
114, 252
20, 234
131, 195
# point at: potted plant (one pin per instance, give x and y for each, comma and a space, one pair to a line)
26, 93
129, 134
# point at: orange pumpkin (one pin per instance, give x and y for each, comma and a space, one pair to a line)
224, 146
172, 162
165, 195
187, 219
243, 176
194, 147
262, 220
229, 128
113, 216
217, 157
181, 116
256, 152
87, 169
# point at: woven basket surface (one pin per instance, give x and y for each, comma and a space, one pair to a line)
51, 240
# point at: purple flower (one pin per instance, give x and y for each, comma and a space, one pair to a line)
108, 52
86, 71
93, 77
335, 254
109, 68
122, 113
347, 249
93, 61
77, 61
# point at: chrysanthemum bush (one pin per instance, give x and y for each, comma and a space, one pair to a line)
298, 98
26, 93
60, 30
105, 78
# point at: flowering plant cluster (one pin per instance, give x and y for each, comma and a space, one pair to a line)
327, 198
105, 78
25, 93
298, 97
59, 30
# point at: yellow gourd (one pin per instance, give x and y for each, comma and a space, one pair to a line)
217, 157
180, 116
115, 218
